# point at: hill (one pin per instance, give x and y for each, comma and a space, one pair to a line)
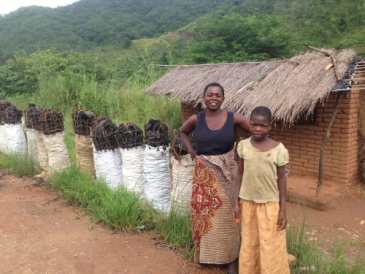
89, 24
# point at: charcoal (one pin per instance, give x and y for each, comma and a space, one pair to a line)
156, 133
51, 121
12, 115
82, 122
3, 105
32, 116
104, 134
129, 135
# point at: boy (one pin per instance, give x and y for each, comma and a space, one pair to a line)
263, 199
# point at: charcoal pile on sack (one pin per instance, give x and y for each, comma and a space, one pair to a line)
157, 180
53, 129
82, 123
156, 133
12, 115
13, 136
182, 176
52, 122
131, 135
130, 140
107, 157
32, 117
3, 106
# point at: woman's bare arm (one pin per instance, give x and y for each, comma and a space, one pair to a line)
185, 130
241, 121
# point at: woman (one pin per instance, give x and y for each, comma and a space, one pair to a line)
215, 184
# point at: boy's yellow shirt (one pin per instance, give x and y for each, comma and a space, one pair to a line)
259, 181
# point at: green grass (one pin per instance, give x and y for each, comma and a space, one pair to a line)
120, 210
127, 103
123, 211
312, 260
175, 229
18, 165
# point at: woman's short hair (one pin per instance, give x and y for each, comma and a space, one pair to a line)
214, 84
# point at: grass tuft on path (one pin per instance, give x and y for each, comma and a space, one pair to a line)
17, 164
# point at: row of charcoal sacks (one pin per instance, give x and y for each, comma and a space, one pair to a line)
139, 161
38, 135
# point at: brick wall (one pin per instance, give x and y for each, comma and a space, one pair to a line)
362, 134
341, 153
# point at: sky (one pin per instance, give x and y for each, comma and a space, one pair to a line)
7, 6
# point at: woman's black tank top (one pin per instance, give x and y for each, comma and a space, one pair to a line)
213, 142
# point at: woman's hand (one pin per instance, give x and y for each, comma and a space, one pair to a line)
192, 153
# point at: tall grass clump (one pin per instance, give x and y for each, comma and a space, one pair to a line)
125, 103
19, 165
118, 209
175, 229
312, 260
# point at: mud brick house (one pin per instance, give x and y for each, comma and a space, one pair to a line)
303, 92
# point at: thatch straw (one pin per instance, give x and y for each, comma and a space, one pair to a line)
289, 87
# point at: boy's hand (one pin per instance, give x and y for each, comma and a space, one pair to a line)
282, 220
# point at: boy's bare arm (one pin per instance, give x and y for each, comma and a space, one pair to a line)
282, 182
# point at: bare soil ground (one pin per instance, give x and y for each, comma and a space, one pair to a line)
340, 225
40, 233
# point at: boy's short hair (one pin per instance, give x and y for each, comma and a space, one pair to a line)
214, 84
262, 111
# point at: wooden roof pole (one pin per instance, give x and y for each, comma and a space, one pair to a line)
327, 136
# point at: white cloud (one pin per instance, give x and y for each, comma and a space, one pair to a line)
7, 6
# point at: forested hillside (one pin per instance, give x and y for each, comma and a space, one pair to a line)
94, 23
115, 42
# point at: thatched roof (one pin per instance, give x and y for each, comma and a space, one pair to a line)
289, 87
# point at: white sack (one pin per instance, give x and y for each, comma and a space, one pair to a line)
3, 138
182, 181
32, 145
157, 179
108, 167
58, 159
14, 140
42, 151
132, 159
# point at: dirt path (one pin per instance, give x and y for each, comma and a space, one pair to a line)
341, 227
40, 233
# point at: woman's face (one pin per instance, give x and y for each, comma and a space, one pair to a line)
213, 98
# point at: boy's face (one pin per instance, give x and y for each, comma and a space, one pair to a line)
259, 127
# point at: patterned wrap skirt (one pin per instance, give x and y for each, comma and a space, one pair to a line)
215, 190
